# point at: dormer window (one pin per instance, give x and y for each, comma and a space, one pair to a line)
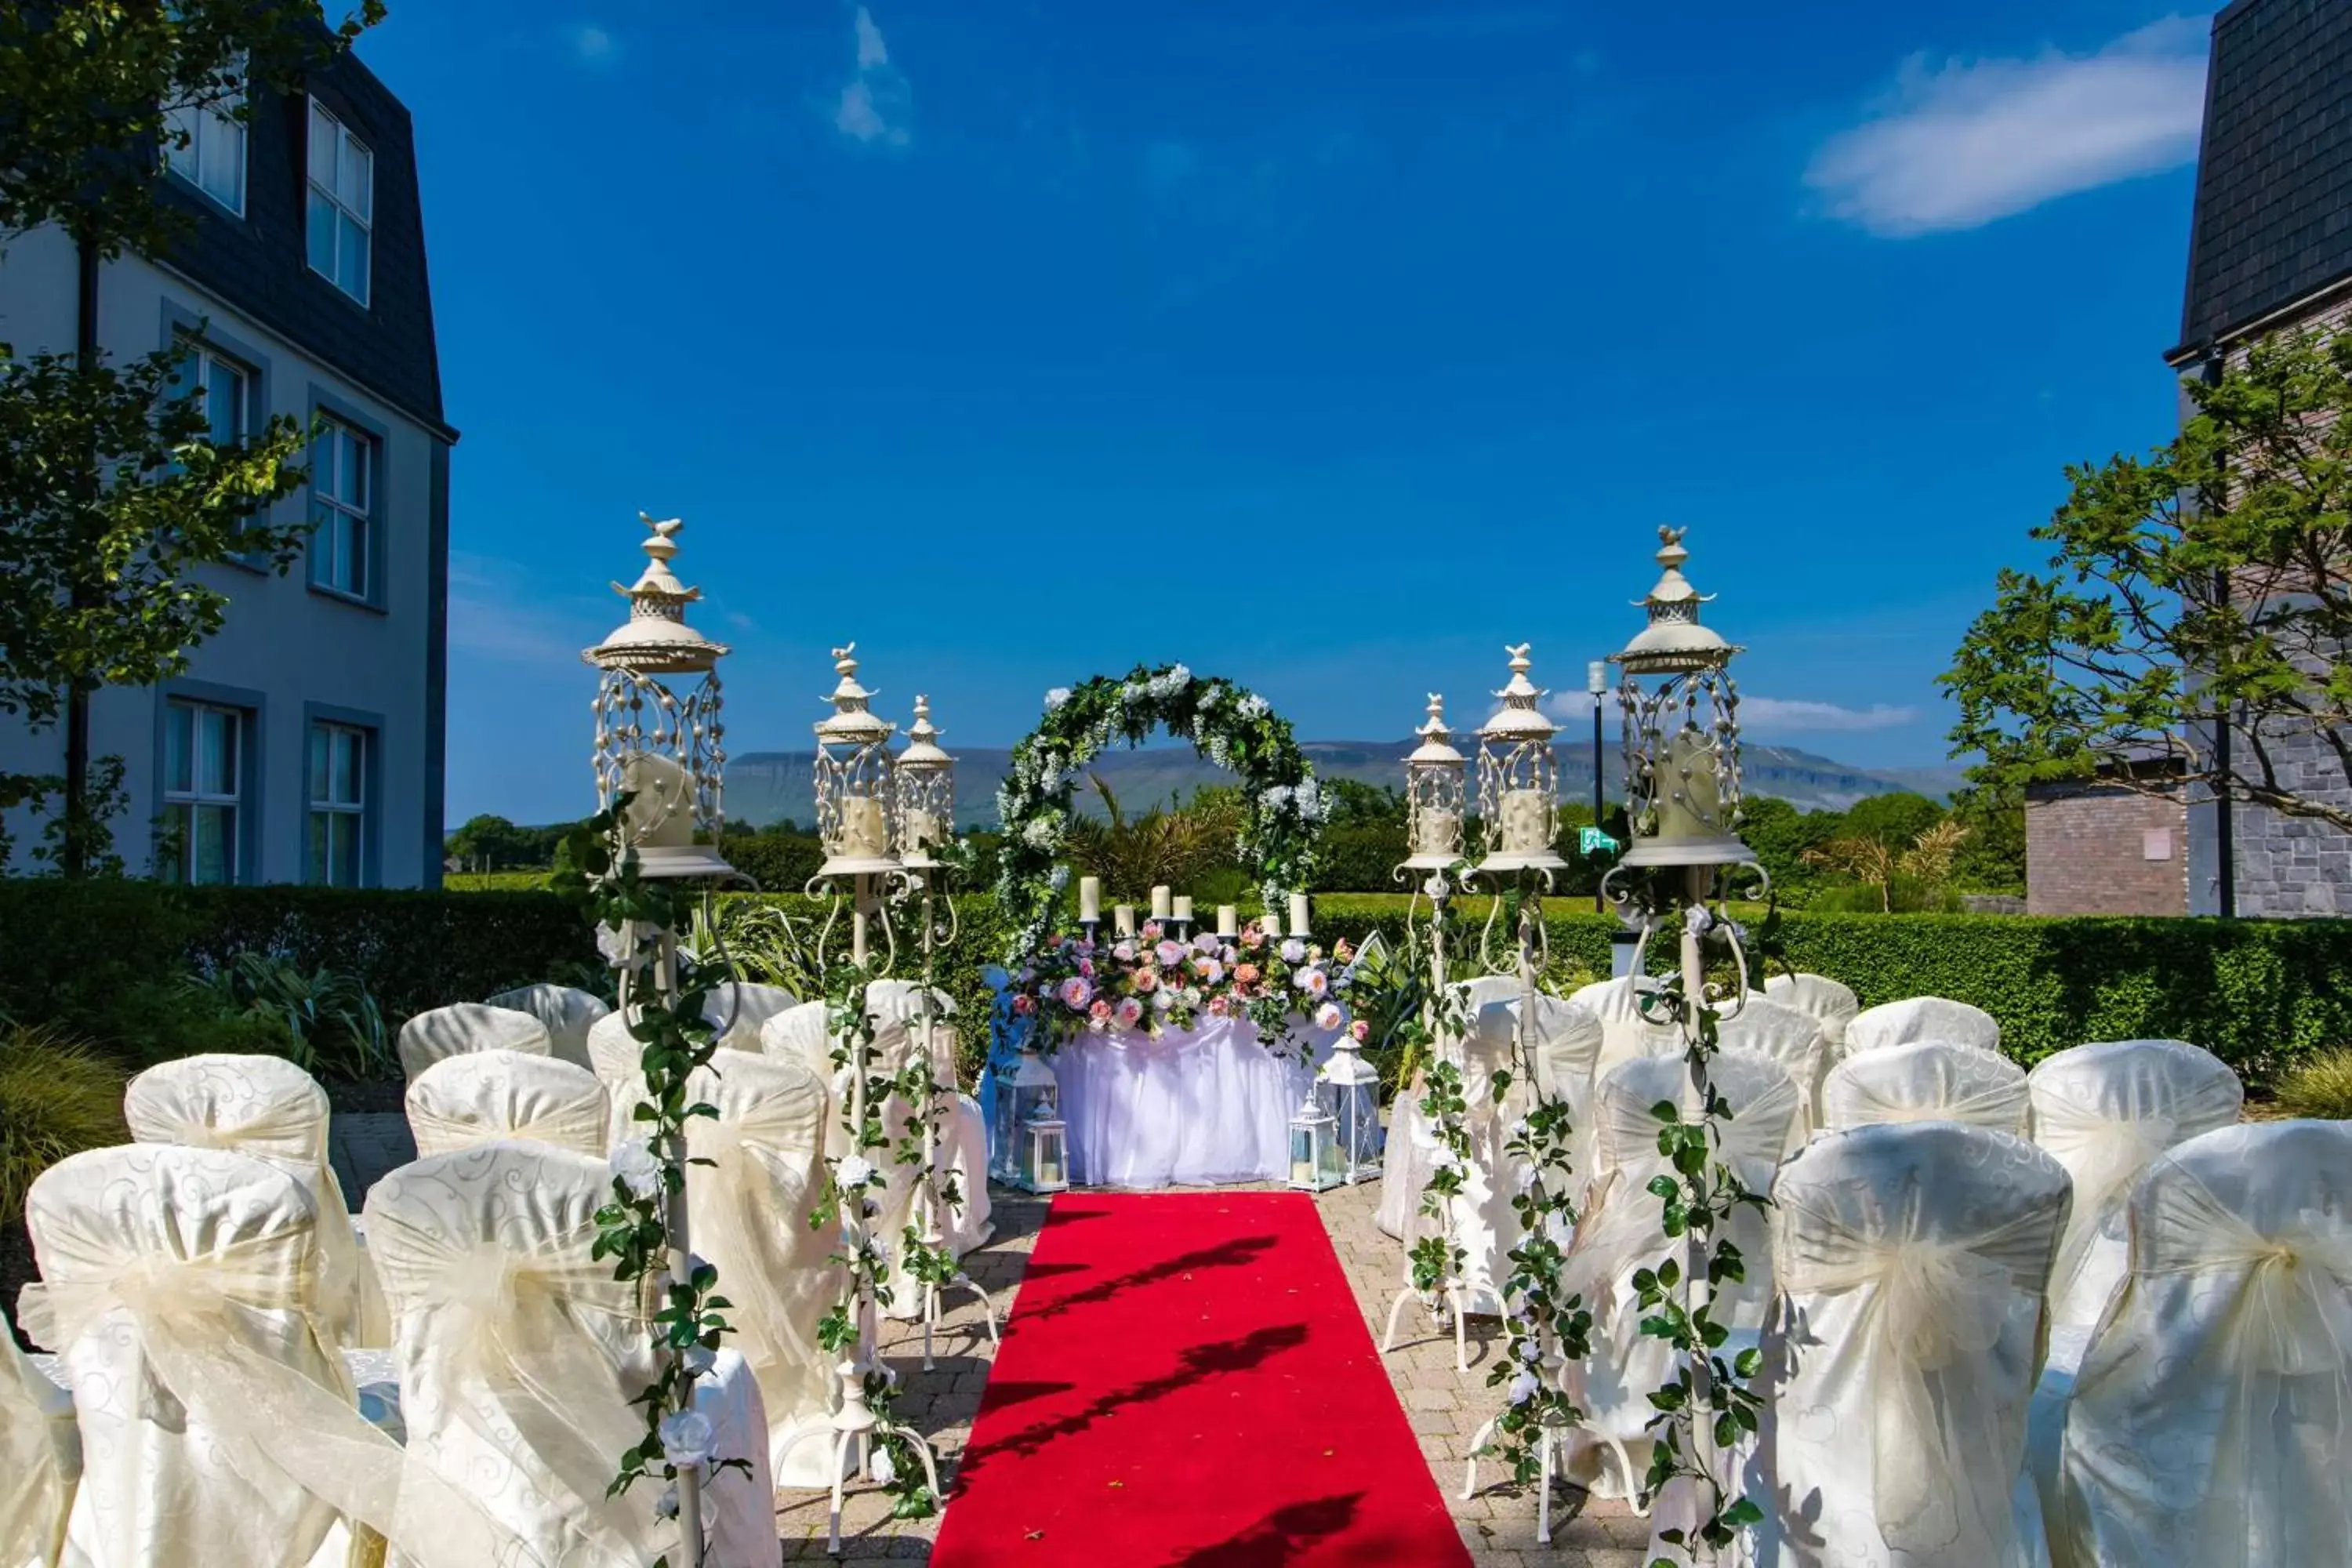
342, 204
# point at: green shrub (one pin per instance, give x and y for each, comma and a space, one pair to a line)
58, 1097
2321, 1086
332, 1027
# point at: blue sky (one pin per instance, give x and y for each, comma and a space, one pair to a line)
1326, 347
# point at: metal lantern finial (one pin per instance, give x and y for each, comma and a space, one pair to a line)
1518, 778
1434, 795
660, 739
1682, 728
926, 791
855, 778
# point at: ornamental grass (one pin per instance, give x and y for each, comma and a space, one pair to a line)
2320, 1088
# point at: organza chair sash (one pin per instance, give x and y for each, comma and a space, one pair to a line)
273, 1424
582, 1126
40, 1458
1925, 1081
1934, 1313
2293, 1316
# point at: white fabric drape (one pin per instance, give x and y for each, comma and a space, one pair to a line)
268, 1107
1196, 1107
519, 1353
216, 1424
613, 1055
2212, 1415
741, 1007
748, 1213
1927, 1080
1619, 1231
1404, 1158
1765, 1028
566, 1012
1825, 999
40, 1462
460, 1102
463, 1026
1921, 1019
802, 1034
2106, 1111
1911, 1261
1626, 1034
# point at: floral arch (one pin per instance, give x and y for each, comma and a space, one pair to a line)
1231, 726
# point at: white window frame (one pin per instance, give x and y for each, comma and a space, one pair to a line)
203, 359
319, 867
196, 795
326, 185
204, 124
334, 509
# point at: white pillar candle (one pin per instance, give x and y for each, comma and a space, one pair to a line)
1298, 926
864, 835
1091, 898
1183, 908
922, 830
1122, 919
1229, 920
1526, 821
1161, 906
1439, 833
1271, 924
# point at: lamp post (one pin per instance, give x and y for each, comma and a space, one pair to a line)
661, 743
1596, 685
1681, 714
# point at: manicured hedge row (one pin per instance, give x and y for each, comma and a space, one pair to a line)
2260, 994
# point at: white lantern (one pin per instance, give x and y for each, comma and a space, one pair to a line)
1314, 1153
660, 739
1029, 1093
856, 780
1518, 779
1347, 1089
1682, 729
925, 793
1434, 796
1045, 1147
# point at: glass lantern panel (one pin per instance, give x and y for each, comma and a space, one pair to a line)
1306, 1155
1031, 1101
1043, 1165
1355, 1112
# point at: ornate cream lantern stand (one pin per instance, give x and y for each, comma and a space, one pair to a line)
1683, 806
660, 741
926, 799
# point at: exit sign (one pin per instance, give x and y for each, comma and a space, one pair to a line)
1593, 841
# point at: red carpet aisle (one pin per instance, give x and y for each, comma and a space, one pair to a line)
1186, 1382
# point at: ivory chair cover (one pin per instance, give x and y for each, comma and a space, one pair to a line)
1921, 1019
1927, 1080
741, 1007
748, 1212
463, 1026
519, 1353
268, 1107
2106, 1111
40, 1461
460, 1102
1404, 1159
1620, 1233
217, 1423
1626, 1033
1792, 1037
1825, 998
2213, 1413
963, 1134
801, 1033
1911, 1261
566, 1012
613, 1055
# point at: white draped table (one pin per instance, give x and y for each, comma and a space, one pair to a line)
1195, 1108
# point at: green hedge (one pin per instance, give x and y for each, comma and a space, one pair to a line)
2262, 995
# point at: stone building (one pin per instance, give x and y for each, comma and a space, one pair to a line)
2270, 250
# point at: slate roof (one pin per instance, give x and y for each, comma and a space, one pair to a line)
2273, 215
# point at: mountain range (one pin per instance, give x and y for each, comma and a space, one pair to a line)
768, 786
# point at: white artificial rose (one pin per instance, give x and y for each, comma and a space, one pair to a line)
1330, 1016
1524, 1387
666, 1505
1056, 696
686, 1438
699, 1360
633, 1165
881, 1468
853, 1172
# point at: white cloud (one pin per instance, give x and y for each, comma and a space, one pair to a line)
1959, 144
876, 105
1770, 715
592, 44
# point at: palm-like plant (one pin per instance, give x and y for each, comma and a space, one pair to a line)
334, 1025
1161, 848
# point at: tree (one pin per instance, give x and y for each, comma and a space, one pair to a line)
1920, 874
488, 843
2204, 581
126, 497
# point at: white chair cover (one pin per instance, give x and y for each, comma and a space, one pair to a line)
613, 1055
1626, 1034
741, 1007
218, 1425
801, 1033
1927, 1080
1404, 1159
2105, 1111
1911, 1261
748, 1213
566, 1012
519, 1352
460, 1102
1825, 998
40, 1461
1765, 1027
463, 1026
1921, 1019
267, 1107
2213, 1413
1620, 1233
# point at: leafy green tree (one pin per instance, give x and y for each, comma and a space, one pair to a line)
493, 844
2206, 581
1894, 820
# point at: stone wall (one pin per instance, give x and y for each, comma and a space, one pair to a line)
2099, 850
